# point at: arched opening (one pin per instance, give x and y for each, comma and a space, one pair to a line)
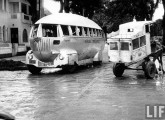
25, 36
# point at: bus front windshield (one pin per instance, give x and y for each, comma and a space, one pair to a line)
49, 30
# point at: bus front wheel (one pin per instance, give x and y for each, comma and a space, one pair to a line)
118, 69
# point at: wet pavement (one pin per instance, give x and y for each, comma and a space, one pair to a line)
92, 93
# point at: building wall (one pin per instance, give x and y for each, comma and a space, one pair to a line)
9, 19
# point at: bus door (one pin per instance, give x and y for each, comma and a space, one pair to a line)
113, 50
125, 51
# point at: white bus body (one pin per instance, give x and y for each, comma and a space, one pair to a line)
63, 39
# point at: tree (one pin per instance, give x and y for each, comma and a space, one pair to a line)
163, 22
117, 12
86, 8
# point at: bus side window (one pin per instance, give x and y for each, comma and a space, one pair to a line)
96, 32
90, 32
93, 32
85, 31
65, 30
73, 30
79, 31
135, 43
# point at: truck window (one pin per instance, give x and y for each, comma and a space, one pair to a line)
113, 46
142, 41
135, 43
147, 28
124, 46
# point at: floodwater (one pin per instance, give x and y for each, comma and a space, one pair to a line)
91, 93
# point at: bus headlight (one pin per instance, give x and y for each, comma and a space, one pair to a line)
61, 57
30, 56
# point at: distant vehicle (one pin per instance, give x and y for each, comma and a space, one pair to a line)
64, 40
135, 43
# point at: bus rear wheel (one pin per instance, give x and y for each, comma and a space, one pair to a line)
33, 69
118, 69
150, 70
69, 68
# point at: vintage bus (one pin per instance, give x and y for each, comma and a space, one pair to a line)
64, 40
134, 44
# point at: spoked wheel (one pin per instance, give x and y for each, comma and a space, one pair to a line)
118, 69
69, 68
33, 69
150, 70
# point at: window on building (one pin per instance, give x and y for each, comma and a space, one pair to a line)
73, 30
49, 30
25, 36
135, 43
113, 46
65, 29
4, 5
0, 4
14, 7
24, 8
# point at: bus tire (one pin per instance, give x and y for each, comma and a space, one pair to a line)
150, 70
33, 69
69, 68
118, 69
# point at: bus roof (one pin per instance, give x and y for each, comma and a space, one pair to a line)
68, 19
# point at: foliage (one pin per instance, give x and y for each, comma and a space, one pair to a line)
117, 12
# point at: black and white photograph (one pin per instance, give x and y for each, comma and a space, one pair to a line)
82, 59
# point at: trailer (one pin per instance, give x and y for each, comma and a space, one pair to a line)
136, 47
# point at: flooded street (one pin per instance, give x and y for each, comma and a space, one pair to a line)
92, 93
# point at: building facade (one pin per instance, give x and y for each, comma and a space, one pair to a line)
15, 24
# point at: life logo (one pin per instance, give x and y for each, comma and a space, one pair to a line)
156, 111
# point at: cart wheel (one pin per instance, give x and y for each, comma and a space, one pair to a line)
144, 65
150, 70
33, 69
118, 69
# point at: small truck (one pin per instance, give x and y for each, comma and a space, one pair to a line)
135, 45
